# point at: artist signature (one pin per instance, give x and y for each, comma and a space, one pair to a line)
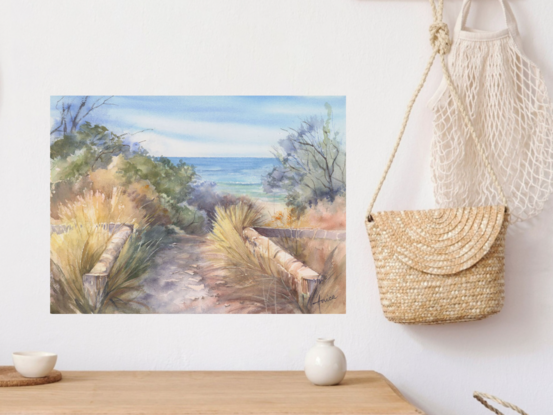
322, 300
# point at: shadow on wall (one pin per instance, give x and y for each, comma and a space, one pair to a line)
528, 273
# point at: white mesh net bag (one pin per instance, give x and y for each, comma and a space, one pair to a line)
507, 100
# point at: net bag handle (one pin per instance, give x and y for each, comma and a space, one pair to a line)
441, 45
510, 19
481, 397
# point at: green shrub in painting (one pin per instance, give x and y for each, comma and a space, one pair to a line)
78, 157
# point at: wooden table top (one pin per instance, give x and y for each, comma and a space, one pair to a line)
213, 393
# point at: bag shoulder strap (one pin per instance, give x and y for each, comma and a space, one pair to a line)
441, 45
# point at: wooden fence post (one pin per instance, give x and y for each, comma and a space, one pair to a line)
95, 282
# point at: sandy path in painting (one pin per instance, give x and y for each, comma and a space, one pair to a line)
181, 280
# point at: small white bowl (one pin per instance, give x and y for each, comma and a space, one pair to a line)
34, 364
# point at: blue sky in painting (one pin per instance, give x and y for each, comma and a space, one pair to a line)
211, 126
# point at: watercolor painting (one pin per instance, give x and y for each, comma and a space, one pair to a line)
198, 204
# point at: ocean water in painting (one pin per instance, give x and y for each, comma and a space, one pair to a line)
236, 175
198, 205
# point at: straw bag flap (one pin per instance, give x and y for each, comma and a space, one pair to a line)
439, 241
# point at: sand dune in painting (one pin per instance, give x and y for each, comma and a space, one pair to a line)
254, 227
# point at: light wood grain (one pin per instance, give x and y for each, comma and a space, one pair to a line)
214, 393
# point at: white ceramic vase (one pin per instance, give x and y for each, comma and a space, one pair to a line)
325, 364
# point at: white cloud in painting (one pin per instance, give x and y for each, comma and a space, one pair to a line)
219, 133
300, 110
162, 145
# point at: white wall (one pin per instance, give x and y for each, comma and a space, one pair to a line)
373, 51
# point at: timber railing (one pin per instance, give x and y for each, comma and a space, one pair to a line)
298, 276
301, 233
95, 282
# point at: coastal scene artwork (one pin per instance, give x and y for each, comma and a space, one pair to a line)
198, 204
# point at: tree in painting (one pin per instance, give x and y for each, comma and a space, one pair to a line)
197, 205
312, 164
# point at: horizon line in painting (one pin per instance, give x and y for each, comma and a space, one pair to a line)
198, 205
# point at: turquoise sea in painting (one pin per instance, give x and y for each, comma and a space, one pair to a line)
235, 175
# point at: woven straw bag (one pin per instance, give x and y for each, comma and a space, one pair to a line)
443, 265
482, 397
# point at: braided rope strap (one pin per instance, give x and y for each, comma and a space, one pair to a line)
481, 397
441, 45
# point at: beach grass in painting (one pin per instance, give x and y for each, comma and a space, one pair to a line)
190, 204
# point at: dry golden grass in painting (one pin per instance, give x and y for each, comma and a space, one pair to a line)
227, 248
95, 208
74, 253
323, 215
255, 277
259, 277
